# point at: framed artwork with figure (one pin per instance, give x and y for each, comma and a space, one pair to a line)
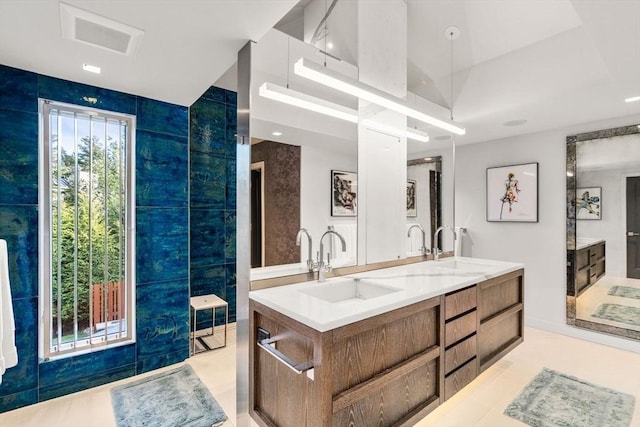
589, 203
344, 193
512, 193
412, 210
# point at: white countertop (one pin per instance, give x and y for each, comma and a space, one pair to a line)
412, 283
583, 242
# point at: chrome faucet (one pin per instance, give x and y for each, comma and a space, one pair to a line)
436, 251
423, 249
302, 231
322, 267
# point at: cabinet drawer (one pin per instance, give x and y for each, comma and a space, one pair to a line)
460, 378
459, 328
459, 354
459, 302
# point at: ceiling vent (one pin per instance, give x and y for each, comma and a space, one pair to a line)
96, 30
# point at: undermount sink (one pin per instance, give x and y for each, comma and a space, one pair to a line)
348, 290
464, 266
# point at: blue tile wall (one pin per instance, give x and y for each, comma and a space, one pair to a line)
212, 150
161, 164
18, 90
18, 177
87, 96
162, 244
208, 181
208, 127
19, 227
162, 117
162, 208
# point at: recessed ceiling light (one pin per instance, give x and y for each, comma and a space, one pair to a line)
276, 133
329, 45
632, 99
518, 122
91, 68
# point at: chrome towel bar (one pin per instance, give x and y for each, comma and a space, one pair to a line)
298, 368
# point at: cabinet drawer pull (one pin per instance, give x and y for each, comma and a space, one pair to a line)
298, 368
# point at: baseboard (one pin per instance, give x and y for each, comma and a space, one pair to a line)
583, 334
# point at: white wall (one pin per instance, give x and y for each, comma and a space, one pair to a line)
612, 225
315, 197
540, 246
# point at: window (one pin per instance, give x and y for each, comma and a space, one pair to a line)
87, 207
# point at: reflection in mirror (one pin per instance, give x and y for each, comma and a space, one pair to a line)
424, 176
603, 231
297, 156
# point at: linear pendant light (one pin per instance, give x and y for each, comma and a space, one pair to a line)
409, 133
318, 105
308, 69
307, 102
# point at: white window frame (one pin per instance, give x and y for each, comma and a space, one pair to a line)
44, 238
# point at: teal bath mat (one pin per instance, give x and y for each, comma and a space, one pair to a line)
618, 313
170, 399
554, 399
624, 291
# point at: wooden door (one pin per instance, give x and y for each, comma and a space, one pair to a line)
633, 227
256, 218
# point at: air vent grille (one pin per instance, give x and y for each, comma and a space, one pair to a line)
87, 27
92, 33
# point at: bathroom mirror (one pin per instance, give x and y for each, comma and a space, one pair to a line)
424, 181
304, 166
603, 231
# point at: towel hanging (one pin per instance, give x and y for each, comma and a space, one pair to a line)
8, 351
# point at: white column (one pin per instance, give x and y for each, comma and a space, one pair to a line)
382, 159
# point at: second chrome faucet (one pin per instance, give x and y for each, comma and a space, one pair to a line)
320, 266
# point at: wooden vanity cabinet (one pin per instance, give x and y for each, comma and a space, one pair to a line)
381, 371
460, 354
590, 266
501, 317
387, 370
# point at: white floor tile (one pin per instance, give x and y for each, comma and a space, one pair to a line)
479, 404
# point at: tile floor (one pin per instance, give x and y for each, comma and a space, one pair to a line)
480, 404
597, 294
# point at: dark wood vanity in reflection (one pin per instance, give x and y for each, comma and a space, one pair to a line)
390, 369
590, 265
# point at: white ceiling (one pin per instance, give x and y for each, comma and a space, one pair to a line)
554, 63
187, 44
551, 63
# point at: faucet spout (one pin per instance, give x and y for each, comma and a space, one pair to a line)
436, 251
322, 267
310, 246
423, 249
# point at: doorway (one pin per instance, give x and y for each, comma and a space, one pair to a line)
633, 226
257, 214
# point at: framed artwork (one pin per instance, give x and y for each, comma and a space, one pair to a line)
589, 203
512, 193
344, 193
412, 209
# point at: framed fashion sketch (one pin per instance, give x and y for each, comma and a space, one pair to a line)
512, 193
589, 203
412, 209
344, 193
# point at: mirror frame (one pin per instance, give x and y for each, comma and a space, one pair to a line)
571, 230
435, 209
